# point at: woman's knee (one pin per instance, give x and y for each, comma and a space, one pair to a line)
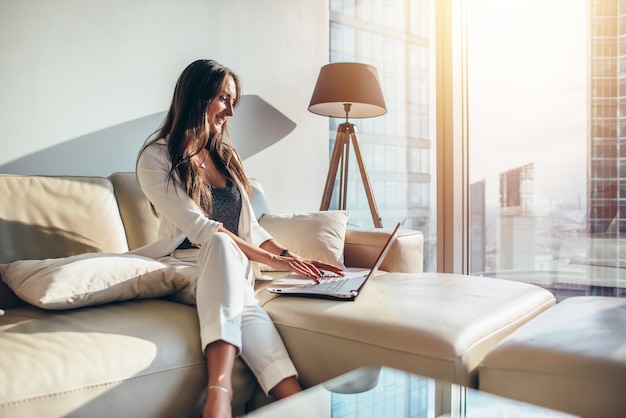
219, 241
218, 238
220, 245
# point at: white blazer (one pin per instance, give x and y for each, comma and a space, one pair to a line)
179, 215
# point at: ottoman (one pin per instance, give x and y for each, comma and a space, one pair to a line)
433, 324
571, 358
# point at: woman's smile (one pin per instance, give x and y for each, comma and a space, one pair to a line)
222, 107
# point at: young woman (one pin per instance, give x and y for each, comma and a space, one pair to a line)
196, 183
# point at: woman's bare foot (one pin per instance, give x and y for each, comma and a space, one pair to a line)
218, 403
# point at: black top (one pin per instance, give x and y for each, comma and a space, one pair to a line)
226, 209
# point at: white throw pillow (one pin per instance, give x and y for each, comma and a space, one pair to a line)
89, 279
312, 235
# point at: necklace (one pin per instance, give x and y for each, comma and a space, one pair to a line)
202, 164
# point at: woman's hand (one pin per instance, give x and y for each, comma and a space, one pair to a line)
312, 269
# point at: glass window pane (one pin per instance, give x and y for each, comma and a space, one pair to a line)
398, 146
547, 126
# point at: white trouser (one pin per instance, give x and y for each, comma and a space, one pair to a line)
228, 309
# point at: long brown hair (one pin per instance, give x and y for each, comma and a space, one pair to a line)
185, 128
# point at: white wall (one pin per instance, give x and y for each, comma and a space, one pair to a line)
83, 83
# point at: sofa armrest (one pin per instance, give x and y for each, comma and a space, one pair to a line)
363, 245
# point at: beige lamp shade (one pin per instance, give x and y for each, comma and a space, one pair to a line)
350, 83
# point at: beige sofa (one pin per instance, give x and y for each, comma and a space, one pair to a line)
142, 357
138, 358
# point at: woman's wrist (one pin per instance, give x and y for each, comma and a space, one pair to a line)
284, 252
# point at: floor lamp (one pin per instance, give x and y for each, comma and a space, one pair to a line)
347, 89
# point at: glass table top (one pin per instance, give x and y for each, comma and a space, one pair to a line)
384, 392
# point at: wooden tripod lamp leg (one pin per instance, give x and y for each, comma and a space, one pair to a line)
338, 153
366, 181
346, 134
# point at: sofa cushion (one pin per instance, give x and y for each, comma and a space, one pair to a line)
571, 358
258, 200
363, 245
51, 217
140, 223
129, 359
312, 235
433, 324
89, 279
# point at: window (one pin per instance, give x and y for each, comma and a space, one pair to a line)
398, 147
548, 204
544, 135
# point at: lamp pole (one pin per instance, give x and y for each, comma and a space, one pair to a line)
346, 134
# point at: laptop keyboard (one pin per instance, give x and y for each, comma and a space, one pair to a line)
327, 275
331, 284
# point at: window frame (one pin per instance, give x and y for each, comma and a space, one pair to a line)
452, 137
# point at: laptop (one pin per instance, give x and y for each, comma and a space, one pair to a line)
334, 287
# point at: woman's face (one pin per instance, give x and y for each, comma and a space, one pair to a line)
222, 106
